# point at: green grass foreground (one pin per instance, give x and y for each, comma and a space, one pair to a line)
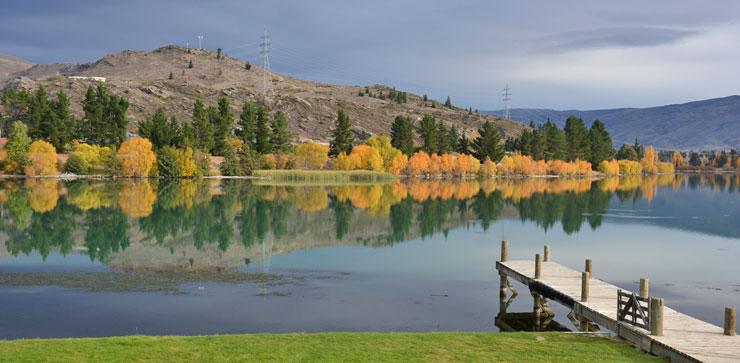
322, 177
329, 347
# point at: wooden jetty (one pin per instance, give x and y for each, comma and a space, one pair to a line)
656, 329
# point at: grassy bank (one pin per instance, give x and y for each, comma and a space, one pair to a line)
322, 177
376, 347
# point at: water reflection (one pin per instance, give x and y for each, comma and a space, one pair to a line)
220, 224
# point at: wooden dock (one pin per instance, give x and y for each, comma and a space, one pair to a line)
683, 339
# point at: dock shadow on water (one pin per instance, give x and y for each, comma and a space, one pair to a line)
100, 258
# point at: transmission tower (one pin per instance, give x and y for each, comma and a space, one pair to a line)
200, 42
266, 75
507, 98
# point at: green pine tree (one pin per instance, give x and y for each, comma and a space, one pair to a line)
190, 63
281, 136
402, 134
18, 143
201, 128
488, 143
262, 133
556, 143
576, 136
428, 131
247, 124
448, 102
223, 123
601, 143
342, 138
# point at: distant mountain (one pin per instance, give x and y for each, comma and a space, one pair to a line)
708, 124
162, 78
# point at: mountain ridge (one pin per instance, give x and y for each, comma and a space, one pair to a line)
704, 124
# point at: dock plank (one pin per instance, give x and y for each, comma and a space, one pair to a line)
684, 338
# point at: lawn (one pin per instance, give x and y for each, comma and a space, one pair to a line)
328, 347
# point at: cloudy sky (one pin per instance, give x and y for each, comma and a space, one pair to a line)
586, 54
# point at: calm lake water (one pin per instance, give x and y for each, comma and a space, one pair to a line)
102, 258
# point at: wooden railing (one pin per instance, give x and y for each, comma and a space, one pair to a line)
633, 309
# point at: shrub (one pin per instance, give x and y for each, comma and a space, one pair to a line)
583, 167
76, 165
311, 156
249, 161
629, 167
136, 157
202, 163
561, 168
505, 166
97, 158
42, 159
231, 165
167, 162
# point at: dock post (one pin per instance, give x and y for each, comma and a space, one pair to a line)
537, 266
589, 267
504, 282
644, 287
546, 254
504, 250
584, 286
730, 321
656, 316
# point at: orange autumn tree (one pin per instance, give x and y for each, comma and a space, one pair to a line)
136, 157
488, 169
649, 161
42, 159
419, 163
398, 164
364, 157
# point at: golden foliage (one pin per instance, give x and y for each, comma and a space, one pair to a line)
677, 160
137, 198
629, 167
311, 156
488, 169
342, 162
665, 168
387, 152
91, 196
364, 157
93, 155
43, 194
649, 161
136, 157
42, 159
609, 167
419, 163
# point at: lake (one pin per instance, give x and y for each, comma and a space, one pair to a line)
101, 258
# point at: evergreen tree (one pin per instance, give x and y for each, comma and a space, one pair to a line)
576, 136
247, 124
160, 131
190, 63
247, 66
262, 133
443, 139
105, 121
223, 122
524, 145
66, 125
539, 144
488, 143
463, 144
18, 143
639, 149
627, 152
402, 134
218, 53
342, 138
448, 102
454, 137
601, 143
556, 143
428, 131
202, 128
281, 136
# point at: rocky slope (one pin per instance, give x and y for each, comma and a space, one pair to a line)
143, 79
10, 65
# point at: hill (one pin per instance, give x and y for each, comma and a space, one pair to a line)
707, 124
10, 65
143, 79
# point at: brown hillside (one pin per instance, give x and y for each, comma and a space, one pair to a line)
10, 65
142, 78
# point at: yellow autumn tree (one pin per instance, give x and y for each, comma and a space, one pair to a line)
387, 152
364, 157
506, 165
42, 159
342, 162
398, 164
310, 156
649, 161
136, 157
677, 160
488, 169
609, 167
